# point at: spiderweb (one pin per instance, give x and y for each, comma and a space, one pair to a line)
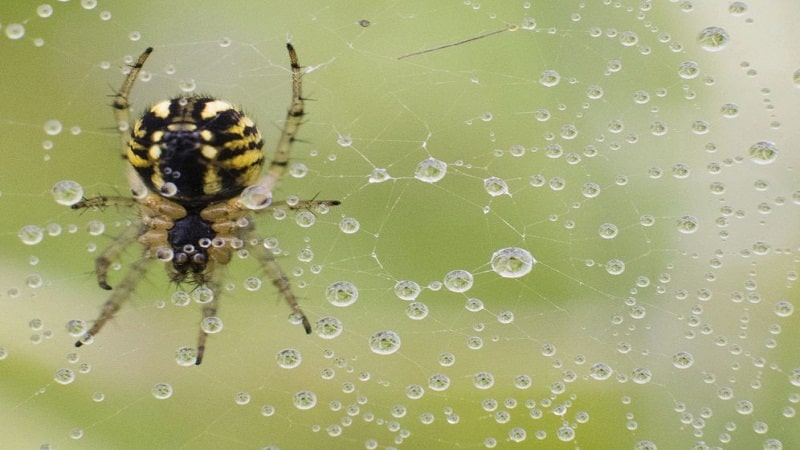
572, 224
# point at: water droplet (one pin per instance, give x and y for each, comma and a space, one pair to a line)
186, 356
641, 375
590, 190
328, 327
202, 295
305, 219
168, 189
341, 293
688, 224
608, 231
474, 305
31, 234
713, 39
566, 434
737, 8
67, 192
44, 10
744, 407
162, 391
549, 78
384, 342
52, 127
512, 262
211, 324
458, 281
415, 391
430, 170
95, 227
298, 170
682, 360
349, 225
76, 328
495, 186
267, 410
188, 85
688, 70
344, 140
505, 316
615, 266
304, 400
784, 308
407, 290
601, 371
379, 175
763, 152
628, 38
64, 376
241, 398
700, 127
15, 31
252, 283
417, 311
483, 380
438, 382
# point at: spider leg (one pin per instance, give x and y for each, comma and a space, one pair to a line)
210, 309
112, 252
299, 205
122, 106
279, 279
104, 201
121, 294
294, 118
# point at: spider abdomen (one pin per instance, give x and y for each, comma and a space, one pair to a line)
196, 150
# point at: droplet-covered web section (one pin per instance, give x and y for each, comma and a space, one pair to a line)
562, 225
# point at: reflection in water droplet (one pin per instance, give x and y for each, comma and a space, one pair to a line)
458, 281
162, 391
341, 293
430, 170
64, 376
512, 262
384, 342
713, 39
763, 152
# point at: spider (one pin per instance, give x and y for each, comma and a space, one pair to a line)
195, 175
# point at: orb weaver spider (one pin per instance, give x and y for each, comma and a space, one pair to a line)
195, 174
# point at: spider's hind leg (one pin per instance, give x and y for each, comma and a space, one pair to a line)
280, 281
112, 252
118, 296
209, 310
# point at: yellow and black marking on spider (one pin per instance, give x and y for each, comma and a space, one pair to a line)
195, 174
